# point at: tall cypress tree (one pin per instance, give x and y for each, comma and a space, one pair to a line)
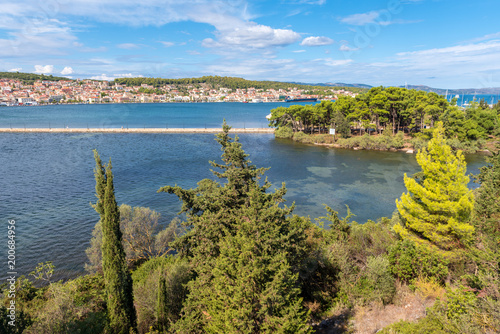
161, 305
120, 304
436, 208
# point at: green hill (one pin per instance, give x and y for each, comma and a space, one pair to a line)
29, 78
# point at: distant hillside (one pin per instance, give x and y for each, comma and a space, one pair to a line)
215, 82
29, 78
336, 84
467, 91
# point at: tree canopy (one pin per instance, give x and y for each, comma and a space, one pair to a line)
245, 248
437, 206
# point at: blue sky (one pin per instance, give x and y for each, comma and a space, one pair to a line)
439, 43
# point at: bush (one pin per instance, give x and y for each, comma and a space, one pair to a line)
283, 132
142, 237
77, 306
367, 142
409, 261
323, 139
301, 137
176, 273
379, 275
468, 146
363, 267
418, 143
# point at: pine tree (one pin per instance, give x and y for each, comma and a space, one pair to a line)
437, 207
118, 283
230, 225
161, 305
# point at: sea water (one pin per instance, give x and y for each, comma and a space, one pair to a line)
48, 182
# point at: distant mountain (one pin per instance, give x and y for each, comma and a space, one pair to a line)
462, 91
440, 91
330, 84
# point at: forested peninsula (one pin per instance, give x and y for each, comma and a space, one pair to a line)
390, 118
241, 261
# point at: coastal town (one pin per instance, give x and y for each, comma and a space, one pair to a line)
14, 92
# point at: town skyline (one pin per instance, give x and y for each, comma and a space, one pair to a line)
390, 43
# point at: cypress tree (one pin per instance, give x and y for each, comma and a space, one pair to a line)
118, 283
436, 208
161, 305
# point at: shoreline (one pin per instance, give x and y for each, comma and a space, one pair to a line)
135, 130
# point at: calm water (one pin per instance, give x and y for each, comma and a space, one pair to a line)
133, 115
47, 182
469, 98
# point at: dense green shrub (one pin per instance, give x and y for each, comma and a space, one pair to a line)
301, 137
323, 139
409, 261
176, 273
379, 275
368, 142
283, 132
360, 257
418, 143
22, 321
77, 306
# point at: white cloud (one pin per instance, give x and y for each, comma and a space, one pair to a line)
307, 2
40, 69
361, 19
102, 77
127, 75
252, 36
128, 46
381, 17
110, 77
167, 44
347, 48
317, 41
337, 62
299, 51
17, 69
484, 38
234, 28
67, 70
29, 34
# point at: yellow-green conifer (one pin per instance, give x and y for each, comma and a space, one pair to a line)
437, 206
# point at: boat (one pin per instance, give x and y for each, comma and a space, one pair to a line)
311, 99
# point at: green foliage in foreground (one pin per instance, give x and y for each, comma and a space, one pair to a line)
142, 237
245, 252
410, 261
118, 283
248, 265
155, 309
437, 207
